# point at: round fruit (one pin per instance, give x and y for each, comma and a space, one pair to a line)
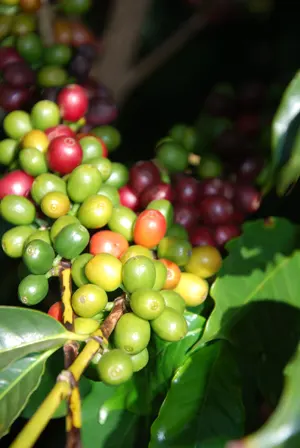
122, 220
13, 240
73, 102
175, 249
23, 24
165, 208
78, 269
160, 276
17, 210
91, 148
103, 165
57, 54
36, 139
247, 198
142, 175
16, 182
132, 334
205, 261
210, 166
173, 274
202, 236
30, 47
41, 234
33, 162
16, 124
30, 5
60, 223
108, 242
8, 151
128, 198
170, 326
71, 241
186, 215
150, 227
38, 256
55, 204
216, 210
33, 289
134, 251
186, 189
115, 367
47, 183
89, 300
140, 360
83, 182
64, 155
178, 231
61, 130
173, 300
156, 192
192, 289
109, 191
52, 76
56, 311
44, 115
147, 304
85, 325
173, 156
225, 233
119, 175
138, 272
109, 135
105, 271
95, 211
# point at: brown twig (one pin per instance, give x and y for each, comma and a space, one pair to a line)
116, 313
45, 22
158, 57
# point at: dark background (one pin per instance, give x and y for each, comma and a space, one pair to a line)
253, 48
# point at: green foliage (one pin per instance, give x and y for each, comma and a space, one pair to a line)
25, 331
261, 266
282, 429
204, 400
17, 382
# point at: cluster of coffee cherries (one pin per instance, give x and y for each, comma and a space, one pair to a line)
62, 197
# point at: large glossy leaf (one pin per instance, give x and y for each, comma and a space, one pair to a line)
282, 430
285, 122
165, 357
24, 331
261, 265
204, 400
17, 382
119, 429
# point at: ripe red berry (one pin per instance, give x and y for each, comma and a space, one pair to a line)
185, 215
155, 192
16, 182
216, 210
61, 130
142, 175
247, 198
186, 190
202, 236
73, 102
56, 311
64, 155
225, 233
128, 197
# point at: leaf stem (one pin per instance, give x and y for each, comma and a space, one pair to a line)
63, 388
74, 210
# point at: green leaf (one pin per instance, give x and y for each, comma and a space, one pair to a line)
260, 266
284, 120
204, 401
290, 172
282, 430
118, 429
17, 382
53, 367
24, 331
139, 393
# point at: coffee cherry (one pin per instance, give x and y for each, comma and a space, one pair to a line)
71, 241
56, 311
105, 271
33, 289
247, 198
140, 360
89, 300
173, 300
64, 154
115, 367
138, 272
132, 334
85, 325
73, 102
17, 210
205, 261
170, 325
160, 275
14, 240
215, 210
150, 227
78, 269
147, 304
38, 256
192, 289
142, 175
